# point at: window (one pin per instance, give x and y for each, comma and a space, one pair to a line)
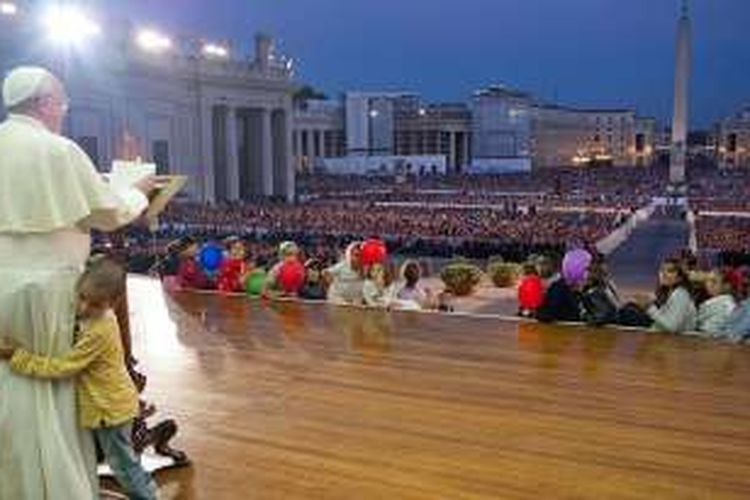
160, 153
640, 142
90, 145
732, 143
316, 144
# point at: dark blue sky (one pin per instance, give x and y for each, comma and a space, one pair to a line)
585, 52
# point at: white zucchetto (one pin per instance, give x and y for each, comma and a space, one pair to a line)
25, 82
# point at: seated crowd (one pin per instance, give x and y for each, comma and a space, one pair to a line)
727, 236
722, 190
356, 279
447, 224
590, 182
686, 301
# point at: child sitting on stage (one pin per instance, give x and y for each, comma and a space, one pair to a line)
287, 277
377, 289
107, 397
530, 291
234, 269
314, 288
190, 275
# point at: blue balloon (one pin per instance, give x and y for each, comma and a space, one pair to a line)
211, 256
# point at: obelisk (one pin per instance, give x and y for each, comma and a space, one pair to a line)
681, 82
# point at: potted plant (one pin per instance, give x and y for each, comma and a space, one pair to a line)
461, 278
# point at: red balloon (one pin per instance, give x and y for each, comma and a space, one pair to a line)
373, 252
291, 276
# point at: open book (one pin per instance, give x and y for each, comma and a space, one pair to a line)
126, 173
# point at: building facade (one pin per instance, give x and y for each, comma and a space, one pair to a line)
644, 147
224, 121
734, 140
319, 133
564, 136
501, 128
381, 131
434, 130
370, 122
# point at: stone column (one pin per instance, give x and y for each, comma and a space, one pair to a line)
683, 58
233, 164
321, 143
207, 152
267, 149
291, 170
467, 151
452, 158
305, 144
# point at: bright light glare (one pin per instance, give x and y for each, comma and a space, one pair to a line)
67, 24
8, 9
215, 50
152, 41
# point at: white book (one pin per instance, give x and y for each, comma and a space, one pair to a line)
126, 173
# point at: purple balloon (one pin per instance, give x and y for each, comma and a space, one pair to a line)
575, 266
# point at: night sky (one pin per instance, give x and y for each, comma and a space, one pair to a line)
583, 52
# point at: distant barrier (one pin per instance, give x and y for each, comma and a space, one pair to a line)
612, 242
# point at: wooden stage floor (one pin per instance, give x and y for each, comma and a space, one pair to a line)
313, 402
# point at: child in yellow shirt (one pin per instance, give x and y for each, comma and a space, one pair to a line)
107, 397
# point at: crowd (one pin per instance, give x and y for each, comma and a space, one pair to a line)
728, 237
508, 202
726, 190
362, 276
366, 219
686, 301
576, 288
513, 216
321, 229
594, 182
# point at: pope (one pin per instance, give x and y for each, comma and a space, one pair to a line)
51, 196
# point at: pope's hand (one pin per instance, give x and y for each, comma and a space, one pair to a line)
147, 184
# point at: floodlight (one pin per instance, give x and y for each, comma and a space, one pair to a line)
153, 41
8, 9
215, 50
68, 25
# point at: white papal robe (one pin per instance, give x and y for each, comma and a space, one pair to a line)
50, 196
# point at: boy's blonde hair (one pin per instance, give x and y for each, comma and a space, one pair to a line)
103, 280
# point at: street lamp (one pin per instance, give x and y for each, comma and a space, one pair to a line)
153, 41
67, 25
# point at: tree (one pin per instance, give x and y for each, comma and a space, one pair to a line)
307, 93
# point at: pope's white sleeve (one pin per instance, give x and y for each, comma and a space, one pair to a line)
109, 208
125, 207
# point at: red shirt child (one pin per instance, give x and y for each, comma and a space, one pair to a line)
189, 272
530, 291
234, 268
